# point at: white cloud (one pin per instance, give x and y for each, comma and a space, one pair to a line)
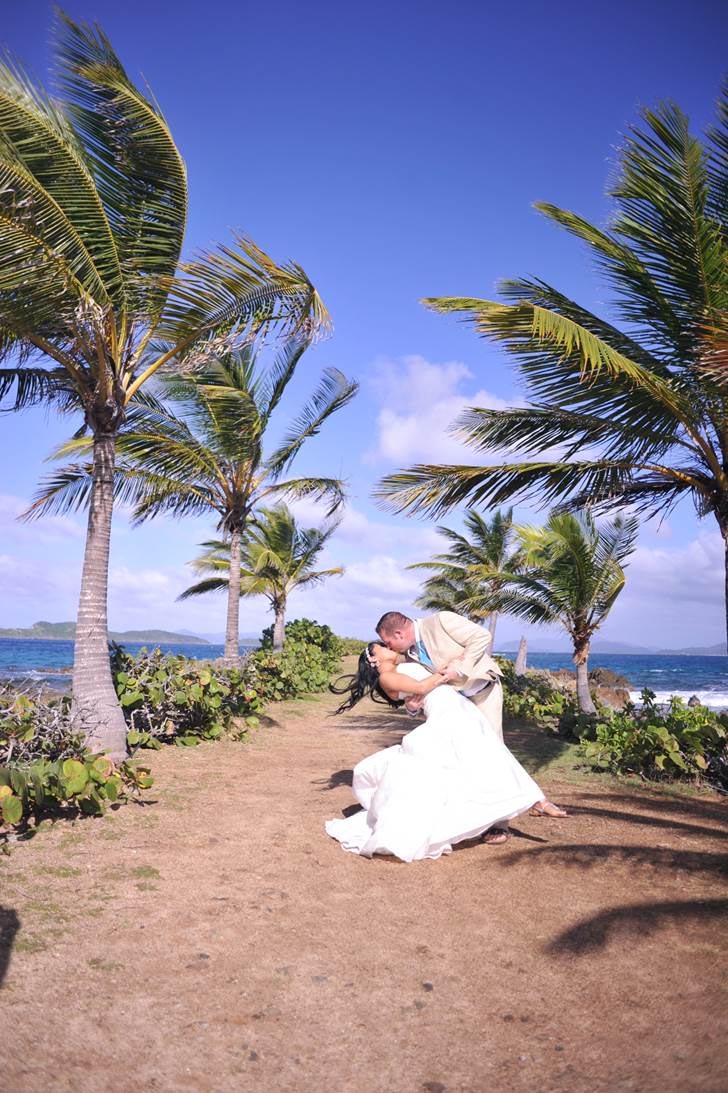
45, 529
689, 574
421, 401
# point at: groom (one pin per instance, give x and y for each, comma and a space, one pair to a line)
450, 641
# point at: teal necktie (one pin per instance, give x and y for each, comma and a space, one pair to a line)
423, 655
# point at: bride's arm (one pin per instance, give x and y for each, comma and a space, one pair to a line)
396, 683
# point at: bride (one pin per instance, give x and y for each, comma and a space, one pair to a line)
450, 779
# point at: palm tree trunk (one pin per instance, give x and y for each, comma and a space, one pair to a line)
232, 626
279, 625
492, 622
583, 694
96, 709
521, 655
724, 533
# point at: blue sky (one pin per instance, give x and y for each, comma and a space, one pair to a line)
394, 150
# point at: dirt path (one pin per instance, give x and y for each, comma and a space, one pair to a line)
217, 940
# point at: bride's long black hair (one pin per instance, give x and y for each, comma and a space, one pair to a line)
364, 682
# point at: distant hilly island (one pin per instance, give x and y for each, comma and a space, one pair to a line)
66, 631
624, 649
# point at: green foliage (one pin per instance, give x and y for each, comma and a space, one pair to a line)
677, 742
309, 633
174, 699
301, 668
351, 647
44, 767
534, 697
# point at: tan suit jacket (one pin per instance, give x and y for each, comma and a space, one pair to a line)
449, 637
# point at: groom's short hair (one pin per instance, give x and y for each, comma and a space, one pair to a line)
391, 621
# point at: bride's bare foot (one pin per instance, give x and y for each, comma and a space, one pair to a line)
547, 808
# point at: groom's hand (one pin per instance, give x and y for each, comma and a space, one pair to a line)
449, 671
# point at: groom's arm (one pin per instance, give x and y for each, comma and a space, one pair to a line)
474, 640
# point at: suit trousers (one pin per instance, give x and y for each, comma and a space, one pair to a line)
490, 704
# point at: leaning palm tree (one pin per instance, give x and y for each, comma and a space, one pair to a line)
573, 573
93, 298
208, 458
277, 557
637, 415
475, 564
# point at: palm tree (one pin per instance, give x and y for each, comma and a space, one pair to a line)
573, 573
474, 564
637, 415
93, 298
209, 458
277, 556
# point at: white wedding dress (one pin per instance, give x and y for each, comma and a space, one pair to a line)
450, 779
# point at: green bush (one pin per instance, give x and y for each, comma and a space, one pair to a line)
534, 697
352, 647
676, 742
44, 767
300, 668
307, 632
174, 699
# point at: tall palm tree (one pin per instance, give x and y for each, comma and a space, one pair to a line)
638, 415
473, 566
277, 556
573, 573
93, 298
208, 458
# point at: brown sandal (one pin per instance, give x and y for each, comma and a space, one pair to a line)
548, 808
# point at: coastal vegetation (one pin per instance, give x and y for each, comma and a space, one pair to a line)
197, 450
276, 557
568, 572
632, 414
473, 567
45, 767
671, 742
95, 299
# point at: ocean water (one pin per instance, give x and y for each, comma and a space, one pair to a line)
707, 677
49, 662
666, 675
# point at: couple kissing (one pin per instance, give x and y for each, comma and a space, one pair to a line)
451, 778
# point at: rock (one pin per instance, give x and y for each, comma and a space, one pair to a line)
603, 677
694, 701
616, 697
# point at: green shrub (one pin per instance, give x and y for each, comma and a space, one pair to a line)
307, 632
44, 767
300, 668
352, 646
174, 699
534, 697
676, 742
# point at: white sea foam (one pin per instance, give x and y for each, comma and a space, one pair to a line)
716, 700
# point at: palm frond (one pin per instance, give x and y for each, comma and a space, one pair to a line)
37, 137
210, 584
139, 172
333, 392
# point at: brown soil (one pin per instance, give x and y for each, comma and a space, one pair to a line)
215, 939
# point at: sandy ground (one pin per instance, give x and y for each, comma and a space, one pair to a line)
215, 938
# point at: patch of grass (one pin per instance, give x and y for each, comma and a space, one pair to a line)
145, 871
69, 840
57, 870
144, 887
29, 945
101, 965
